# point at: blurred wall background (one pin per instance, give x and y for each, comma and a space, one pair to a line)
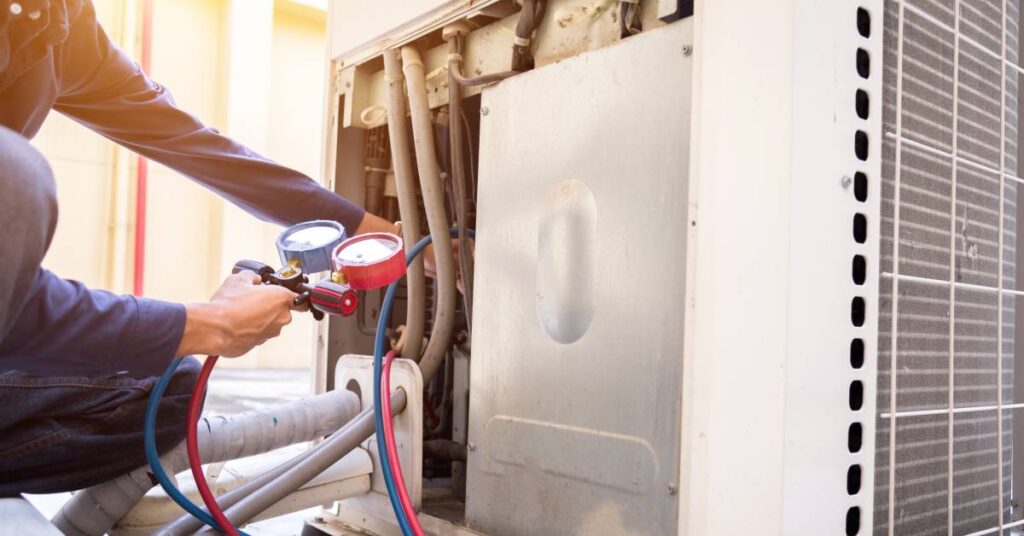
253, 69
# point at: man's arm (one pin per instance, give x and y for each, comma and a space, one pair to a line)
106, 91
50, 325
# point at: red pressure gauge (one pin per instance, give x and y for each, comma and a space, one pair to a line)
370, 261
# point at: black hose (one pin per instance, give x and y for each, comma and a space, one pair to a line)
529, 20
629, 18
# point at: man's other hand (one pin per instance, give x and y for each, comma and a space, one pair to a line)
241, 315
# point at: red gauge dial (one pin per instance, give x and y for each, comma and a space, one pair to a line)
370, 261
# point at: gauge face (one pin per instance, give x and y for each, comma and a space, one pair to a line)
368, 251
308, 245
311, 237
370, 261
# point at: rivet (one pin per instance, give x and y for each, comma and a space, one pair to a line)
687, 50
846, 181
484, 111
15, 8
672, 489
34, 15
471, 446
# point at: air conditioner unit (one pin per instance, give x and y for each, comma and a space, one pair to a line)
748, 271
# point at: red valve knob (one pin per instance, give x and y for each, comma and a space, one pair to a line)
333, 299
370, 261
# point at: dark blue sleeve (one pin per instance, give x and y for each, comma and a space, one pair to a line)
106, 91
67, 327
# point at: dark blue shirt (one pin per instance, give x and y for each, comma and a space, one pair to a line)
63, 60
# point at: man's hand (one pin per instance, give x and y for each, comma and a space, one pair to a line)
241, 315
430, 264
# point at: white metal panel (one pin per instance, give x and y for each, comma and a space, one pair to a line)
823, 205
577, 355
355, 372
767, 374
357, 22
18, 516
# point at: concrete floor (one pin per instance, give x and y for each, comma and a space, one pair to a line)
233, 391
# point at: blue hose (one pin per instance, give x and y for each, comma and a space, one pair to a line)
378, 367
153, 457
149, 426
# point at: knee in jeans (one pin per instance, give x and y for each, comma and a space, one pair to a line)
24, 174
184, 377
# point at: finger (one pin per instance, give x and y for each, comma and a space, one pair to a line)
247, 276
286, 297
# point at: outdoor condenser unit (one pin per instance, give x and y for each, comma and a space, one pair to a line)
752, 270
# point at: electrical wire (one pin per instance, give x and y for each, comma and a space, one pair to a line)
392, 449
153, 457
195, 407
458, 172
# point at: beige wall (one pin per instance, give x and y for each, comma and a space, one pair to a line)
251, 68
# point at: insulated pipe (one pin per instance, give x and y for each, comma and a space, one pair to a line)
407, 205
94, 511
433, 203
254, 497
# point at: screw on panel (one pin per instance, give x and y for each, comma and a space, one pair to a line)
672, 489
471, 446
484, 110
687, 50
846, 181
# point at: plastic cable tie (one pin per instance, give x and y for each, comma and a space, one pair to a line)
521, 41
454, 57
629, 1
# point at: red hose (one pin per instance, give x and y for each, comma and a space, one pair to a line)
389, 441
192, 445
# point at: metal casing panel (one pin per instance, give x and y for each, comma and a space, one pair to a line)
578, 329
356, 23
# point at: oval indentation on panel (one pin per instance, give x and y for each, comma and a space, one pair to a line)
566, 261
590, 455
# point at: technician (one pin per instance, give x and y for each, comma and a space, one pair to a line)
76, 364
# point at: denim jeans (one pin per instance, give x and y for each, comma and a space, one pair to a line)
67, 433
64, 425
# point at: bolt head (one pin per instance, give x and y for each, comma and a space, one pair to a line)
484, 111
687, 50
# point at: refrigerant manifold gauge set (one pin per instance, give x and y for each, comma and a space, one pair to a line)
365, 262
